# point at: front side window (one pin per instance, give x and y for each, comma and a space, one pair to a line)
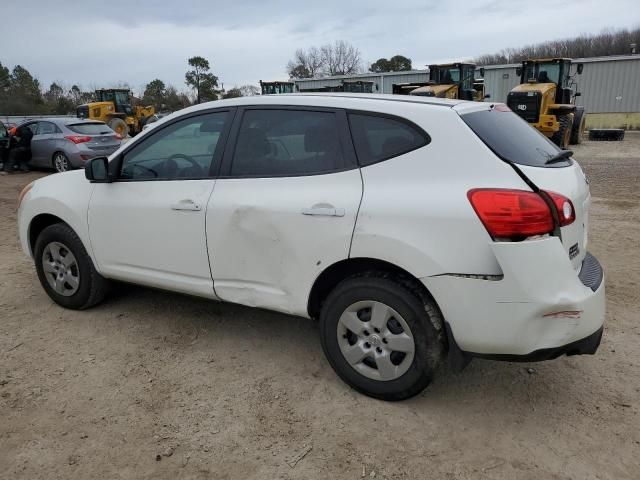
287, 143
184, 149
378, 138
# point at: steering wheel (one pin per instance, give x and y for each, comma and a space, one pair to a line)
171, 164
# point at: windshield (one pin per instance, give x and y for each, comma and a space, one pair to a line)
512, 138
275, 88
445, 75
119, 98
543, 72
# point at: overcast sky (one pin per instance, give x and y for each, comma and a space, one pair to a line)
98, 43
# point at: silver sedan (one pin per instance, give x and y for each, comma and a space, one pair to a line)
67, 143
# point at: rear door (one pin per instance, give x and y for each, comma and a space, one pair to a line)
514, 140
43, 143
284, 207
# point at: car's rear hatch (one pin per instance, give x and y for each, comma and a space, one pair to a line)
103, 140
516, 142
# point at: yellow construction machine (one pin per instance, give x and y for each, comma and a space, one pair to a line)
114, 107
453, 80
546, 98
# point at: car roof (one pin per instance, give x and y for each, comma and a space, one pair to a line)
319, 99
61, 120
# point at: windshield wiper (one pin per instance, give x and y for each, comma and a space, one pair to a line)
559, 157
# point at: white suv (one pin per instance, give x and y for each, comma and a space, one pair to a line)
414, 229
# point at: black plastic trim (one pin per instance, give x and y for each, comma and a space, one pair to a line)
586, 346
591, 273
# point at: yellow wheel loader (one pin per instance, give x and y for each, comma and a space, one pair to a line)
114, 107
546, 98
453, 80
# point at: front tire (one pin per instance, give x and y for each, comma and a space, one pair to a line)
119, 126
65, 269
382, 336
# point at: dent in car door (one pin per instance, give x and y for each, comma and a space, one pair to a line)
285, 207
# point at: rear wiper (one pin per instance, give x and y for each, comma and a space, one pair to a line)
559, 157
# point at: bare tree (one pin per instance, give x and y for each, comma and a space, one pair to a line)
607, 42
306, 63
339, 58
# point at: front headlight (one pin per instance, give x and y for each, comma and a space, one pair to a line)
24, 192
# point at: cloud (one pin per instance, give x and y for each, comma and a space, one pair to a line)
100, 44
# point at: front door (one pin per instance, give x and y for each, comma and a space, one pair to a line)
284, 207
148, 226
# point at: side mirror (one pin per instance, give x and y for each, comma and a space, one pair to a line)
578, 94
482, 71
519, 71
580, 68
97, 170
487, 96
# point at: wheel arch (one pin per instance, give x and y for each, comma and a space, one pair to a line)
335, 273
38, 224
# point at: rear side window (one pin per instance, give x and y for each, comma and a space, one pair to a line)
287, 143
511, 138
90, 128
378, 138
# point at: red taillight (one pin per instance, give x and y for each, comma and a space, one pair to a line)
564, 207
78, 138
511, 213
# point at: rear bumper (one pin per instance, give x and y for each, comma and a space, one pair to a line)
540, 308
586, 346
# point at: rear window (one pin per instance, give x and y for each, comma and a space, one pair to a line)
90, 128
511, 138
378, 138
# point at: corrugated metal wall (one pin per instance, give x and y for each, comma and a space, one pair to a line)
381, 83
498, 82
608, 85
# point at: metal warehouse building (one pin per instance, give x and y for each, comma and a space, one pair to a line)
610, 87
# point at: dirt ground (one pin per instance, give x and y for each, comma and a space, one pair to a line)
158, 385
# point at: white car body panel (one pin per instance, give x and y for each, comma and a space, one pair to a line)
428, 229
64, 195
138, 235
264, 251
514, 315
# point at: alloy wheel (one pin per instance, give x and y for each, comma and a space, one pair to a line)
60, 162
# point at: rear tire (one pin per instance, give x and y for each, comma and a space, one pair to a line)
119, 126
562, 136
65, 269
579, 121
60, 162
382, 336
